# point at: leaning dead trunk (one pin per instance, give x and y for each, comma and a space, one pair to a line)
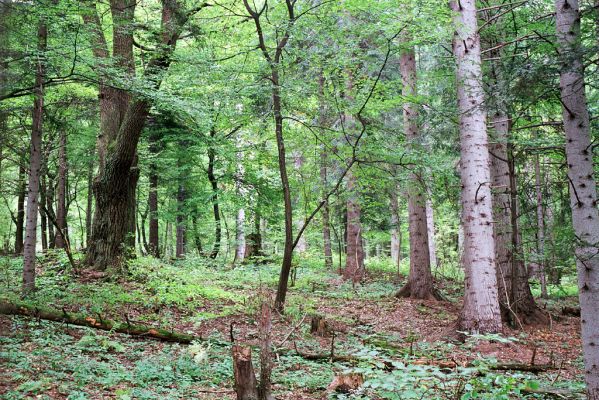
35, 158
583, 192
480, 311
420, 278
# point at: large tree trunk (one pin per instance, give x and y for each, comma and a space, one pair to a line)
420, 279
122, 118
354, 263
480, 312
35, 160
20, 222
583, 192
61, 205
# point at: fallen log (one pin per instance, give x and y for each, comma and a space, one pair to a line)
80, 319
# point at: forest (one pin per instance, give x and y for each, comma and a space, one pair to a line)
299, 199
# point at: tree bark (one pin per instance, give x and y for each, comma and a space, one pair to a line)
90, 200
540, 254
61, 205
215, 205
154, 242
181, 222
122, 118
354, 263
395, 228
35, 158
298, 162
480, 312
43, 217
326, 214
246, 384
583, 192
20, 222
430, 227
420, 279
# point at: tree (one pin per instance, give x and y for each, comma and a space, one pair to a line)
420, 278
583, 192
122, 117
35, 160
480, 311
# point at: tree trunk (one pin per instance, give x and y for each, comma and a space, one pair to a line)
181, 221
154, 244
35, 158
61, 205
43, 217
122, 119
480, 312
246, 384
22, 189
326, 218
298, 162
420, 279
583, 192
50, 200
90, 200
540, 254
288, 249
241, 192
430, 227
215, 205
354, 264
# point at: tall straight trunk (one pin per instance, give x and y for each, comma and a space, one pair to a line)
583, 192
35, 161
20, 222
43, 217
516, 301
153, 196
480, 312
430, 227
420, 279
354, 263
61, 204
326, 218
395, 227
215, 205
540, 228
90, 203
298, 162
326, 214
181, 223
241, 192
50, 201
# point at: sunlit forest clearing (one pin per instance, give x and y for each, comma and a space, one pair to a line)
299, 199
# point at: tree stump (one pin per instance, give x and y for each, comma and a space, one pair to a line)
246, 385
319, 326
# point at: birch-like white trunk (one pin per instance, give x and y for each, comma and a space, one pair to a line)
583, 192
480, 312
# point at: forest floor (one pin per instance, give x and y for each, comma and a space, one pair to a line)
398, 346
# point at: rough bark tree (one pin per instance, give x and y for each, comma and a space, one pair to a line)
122, 118
583, 192
420, 279
354, 264
480, 311
29, 246
61, 196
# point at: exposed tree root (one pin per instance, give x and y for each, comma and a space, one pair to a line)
407, 292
